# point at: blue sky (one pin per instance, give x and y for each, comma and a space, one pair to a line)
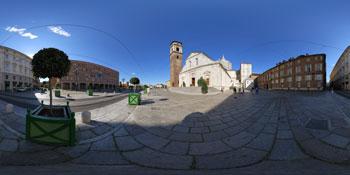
254, 31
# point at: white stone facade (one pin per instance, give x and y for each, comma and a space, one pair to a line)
245, 73
217, 74
15, 69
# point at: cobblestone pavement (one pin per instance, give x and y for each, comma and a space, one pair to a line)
225, 131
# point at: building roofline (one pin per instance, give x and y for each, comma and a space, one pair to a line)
294, 59
17, 52
175, 41
199, 52
95, 64
347, 49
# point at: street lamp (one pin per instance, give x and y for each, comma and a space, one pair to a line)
76, 78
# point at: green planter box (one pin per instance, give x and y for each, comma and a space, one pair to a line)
57, 93
90, 92
134, 99
51, 130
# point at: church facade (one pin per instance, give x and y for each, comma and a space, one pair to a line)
217, 74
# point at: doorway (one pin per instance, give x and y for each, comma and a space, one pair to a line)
193, 82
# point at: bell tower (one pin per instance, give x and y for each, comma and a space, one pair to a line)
175, 63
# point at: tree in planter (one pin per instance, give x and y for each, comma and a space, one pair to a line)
50, 63
58, 86
135, 81
204, 87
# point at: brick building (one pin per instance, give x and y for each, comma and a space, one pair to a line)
305, 72
82, 74
175, 63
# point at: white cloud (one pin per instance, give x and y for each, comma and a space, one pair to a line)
29, 35
59, 30
21, 31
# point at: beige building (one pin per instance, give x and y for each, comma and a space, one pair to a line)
340, 74
15, 69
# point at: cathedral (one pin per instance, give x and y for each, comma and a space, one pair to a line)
217, 74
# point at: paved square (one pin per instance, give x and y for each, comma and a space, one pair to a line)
187, 132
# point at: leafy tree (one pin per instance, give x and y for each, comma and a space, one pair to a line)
50, 63
58, 86
135, 81
204, 87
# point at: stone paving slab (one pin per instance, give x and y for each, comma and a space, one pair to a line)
286, 150
101, 158
237, 158
156, 159
206, 148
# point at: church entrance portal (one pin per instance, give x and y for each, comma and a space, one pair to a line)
193, 82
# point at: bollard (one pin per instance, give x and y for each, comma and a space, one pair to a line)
9, 108
86, 117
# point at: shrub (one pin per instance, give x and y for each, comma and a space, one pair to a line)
203, 85
58, 86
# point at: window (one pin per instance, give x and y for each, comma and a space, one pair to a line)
177, 49
297, 69
308, 77
281, 73
308, 84
319, 77
197, 61
7, 67
308, 68
298, 78
319, 67
7, 77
